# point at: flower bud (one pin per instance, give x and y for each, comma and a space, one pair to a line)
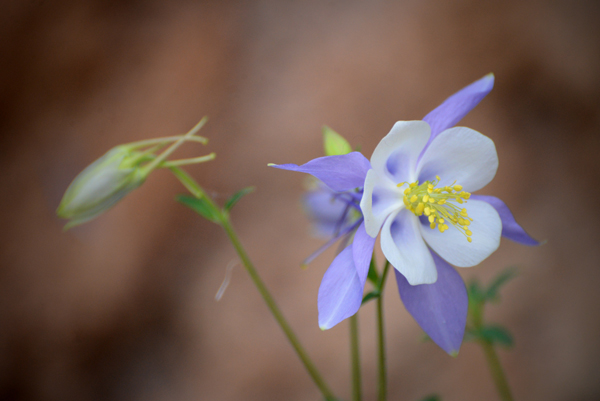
121, 170
100, 186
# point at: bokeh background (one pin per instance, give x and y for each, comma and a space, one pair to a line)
123, 308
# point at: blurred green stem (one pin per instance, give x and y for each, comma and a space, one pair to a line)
497, 372
198, 192
355, 354
382, 384
498, 375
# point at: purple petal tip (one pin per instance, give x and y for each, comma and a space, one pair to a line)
440, 308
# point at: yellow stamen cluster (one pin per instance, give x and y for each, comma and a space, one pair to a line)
438, 205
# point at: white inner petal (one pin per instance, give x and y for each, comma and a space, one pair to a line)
453, 246
395, 157
380, 198
460, 154
403, 246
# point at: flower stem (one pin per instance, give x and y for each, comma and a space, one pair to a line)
262, 289
382, 384
354, 351
198, 192
497, 372
475, 317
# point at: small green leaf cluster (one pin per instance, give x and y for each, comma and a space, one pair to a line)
206, 208
491, 334
479, 295
376, 280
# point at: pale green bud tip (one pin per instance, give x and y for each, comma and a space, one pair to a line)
99, 187
271, 164
334, 144
454, 354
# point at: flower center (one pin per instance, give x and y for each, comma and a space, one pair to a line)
438, 204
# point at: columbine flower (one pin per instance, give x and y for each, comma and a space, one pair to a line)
418, 194
341, 179
417, 191
121, 170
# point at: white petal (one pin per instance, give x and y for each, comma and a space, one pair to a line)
460, 154
396, 155
380, 198
403, 246
453, 246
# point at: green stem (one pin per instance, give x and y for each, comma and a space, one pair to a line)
382, 384
476, 309
262, 289
354, 352
198, 192
497, 372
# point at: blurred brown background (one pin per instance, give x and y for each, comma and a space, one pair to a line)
123, 308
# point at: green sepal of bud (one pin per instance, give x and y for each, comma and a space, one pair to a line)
101, 185
334, 144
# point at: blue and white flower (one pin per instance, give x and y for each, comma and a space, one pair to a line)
418, 195
416, 191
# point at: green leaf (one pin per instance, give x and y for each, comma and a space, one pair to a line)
334, 144
504, 277
372, 275
236, 197
370, 296
201, 206
476, 293
432, 397
495, 335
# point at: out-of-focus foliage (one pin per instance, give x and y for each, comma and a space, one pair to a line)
479, 296
334, 144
